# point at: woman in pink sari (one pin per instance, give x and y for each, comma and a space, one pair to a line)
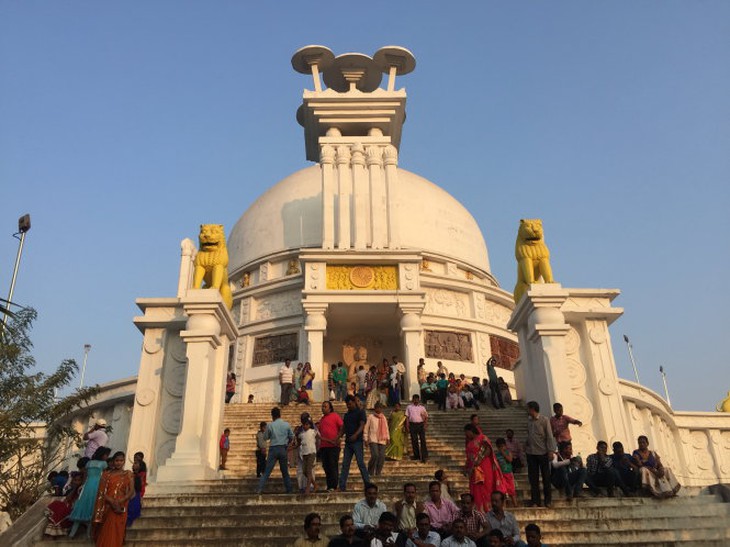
482, 468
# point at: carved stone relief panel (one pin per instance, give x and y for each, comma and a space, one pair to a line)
455, 346
446, 302
278, 305
505, 351
496, 314
275, 349
369, 278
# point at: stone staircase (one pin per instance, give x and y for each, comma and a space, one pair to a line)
227, 511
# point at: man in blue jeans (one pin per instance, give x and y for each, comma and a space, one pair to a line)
280, 434
354, 423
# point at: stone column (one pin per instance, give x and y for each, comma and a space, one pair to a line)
327, 161
378, 210
390, 157
209, 328
541, 329
187, 265
315, 326
344, 179
361, 203
412, 334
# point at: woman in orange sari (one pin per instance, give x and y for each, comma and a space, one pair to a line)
482, 468
110, 513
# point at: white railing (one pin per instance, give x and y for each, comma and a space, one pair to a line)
696, 445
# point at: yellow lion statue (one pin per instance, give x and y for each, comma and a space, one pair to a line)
533, 257
211, 262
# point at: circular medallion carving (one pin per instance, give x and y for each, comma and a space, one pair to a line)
409, 275
362, 276
171, 417
315, 267
152, 346
145, 396
572, 341
598, 336
606, 386
175, 380
409, 285
575, 372
177, 350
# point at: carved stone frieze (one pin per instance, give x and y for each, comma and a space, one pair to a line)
373, 278
455, 346
278, 305
446, 302
496, 314
275, 349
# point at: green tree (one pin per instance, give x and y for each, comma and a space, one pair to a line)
34, 424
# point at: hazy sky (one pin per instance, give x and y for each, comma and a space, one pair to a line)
124, 125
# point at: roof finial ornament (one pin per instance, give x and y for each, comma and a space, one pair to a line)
313, 59
351, 72
394, 60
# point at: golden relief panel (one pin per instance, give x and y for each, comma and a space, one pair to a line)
362, 278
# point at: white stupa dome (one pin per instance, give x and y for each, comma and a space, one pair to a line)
289, 216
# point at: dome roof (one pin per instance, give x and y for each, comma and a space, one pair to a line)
289, 216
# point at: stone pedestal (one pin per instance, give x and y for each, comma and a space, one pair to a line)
209, 330
566, 357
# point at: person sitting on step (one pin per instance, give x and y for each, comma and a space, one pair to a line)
499, 519
347, 538
568, 473
533, 536
602, 473
407, 509
312, 538
367, 511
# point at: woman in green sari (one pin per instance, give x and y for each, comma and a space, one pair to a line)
396, 426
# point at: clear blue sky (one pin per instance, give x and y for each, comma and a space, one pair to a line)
124, 125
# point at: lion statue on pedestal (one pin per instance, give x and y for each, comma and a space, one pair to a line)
533, 257
211, 262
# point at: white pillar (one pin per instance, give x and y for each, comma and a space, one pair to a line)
412, 333
315, 325
208, 329
187, 261
541, 329
361, 207
378, 211
344, 179
327, 161
390, 156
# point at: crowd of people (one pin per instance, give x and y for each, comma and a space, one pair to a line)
100, 495
480, 518
434, 522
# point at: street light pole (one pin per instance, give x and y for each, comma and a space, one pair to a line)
87, 349
666, 390
23, 227
631, 356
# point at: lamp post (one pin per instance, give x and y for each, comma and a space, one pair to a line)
666, 390
23, 228
631, 356
87, 349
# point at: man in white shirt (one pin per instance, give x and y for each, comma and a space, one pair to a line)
286, 380
458, 536
423, 536
96, 437
366, 512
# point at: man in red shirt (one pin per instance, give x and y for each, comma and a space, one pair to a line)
330, 433
560, 424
